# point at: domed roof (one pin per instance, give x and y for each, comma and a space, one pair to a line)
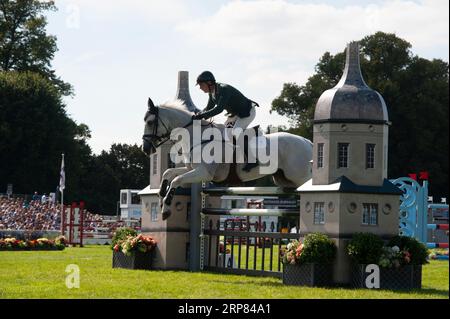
351, 100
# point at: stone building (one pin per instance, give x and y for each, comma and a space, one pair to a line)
173, 234
349, 191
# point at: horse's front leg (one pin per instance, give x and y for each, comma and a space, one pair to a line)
196, 175
167, 178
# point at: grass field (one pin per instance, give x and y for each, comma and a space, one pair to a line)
41, 274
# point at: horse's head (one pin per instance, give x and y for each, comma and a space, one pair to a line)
159, 122
152, 129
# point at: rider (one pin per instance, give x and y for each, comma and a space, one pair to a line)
241, 110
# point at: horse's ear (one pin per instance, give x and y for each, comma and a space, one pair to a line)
151, 106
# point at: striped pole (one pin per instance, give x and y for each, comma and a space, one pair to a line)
438, 226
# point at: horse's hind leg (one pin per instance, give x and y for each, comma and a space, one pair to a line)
280, 179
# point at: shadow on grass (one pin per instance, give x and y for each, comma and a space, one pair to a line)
423, 291
276, 282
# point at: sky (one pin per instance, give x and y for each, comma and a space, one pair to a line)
117, 53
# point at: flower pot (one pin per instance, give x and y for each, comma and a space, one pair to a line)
137, 260
308, 274
405, 277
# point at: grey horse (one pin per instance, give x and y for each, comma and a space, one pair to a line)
292, 154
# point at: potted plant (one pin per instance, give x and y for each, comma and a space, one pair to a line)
122, 233
399, 261
39, 244
309, 263
134, 252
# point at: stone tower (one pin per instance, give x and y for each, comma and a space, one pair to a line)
351, 130
349, 191
173, 234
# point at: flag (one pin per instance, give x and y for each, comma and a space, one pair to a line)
62, 176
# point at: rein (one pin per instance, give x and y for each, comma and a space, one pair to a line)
159, 140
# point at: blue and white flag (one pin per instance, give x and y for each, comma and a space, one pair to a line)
62, 176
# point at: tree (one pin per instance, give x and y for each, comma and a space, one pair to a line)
416, 93
123, 166
35, 130
24, 44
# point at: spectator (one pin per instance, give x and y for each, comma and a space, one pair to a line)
16, 214
43, 199
35, 196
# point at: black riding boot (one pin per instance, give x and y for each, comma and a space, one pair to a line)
248, 166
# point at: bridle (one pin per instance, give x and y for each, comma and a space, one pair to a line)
153, 138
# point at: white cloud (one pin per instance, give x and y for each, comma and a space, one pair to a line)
120, 10
304, 31
134, 48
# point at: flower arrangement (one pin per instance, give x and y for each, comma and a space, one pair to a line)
367, 248
315, 248
393, 257
39, 244
135, 243
61, 241
292, 253
122, 233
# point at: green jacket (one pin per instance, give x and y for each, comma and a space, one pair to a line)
227, 98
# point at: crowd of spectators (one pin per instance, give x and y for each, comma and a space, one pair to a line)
42, 213
98, 223
20, 214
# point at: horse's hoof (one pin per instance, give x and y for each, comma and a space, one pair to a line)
163, 189
166, 214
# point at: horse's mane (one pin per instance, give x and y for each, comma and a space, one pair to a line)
177, 105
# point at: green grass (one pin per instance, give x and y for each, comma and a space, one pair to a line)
259, 254
41, 274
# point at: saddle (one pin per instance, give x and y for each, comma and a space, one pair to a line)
233, 177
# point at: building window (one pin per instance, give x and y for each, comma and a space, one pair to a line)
370, 214
319, 213
343, 155
135, 199
123, 199
170, 163
370, 155
319, 155
155, 164
154, 212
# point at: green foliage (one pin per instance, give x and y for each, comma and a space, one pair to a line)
365, 248
319, 248
316, 248
415, 90
123, 166
36, 275
419, 252
121, 234
24, 44
35, 129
